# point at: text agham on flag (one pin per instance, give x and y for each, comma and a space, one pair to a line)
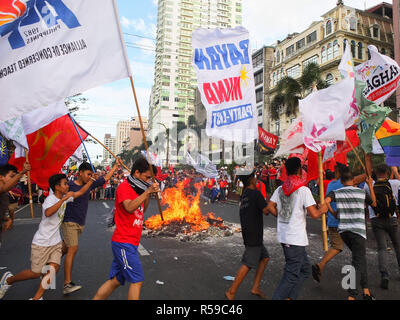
223, 64
52, 139
53, 49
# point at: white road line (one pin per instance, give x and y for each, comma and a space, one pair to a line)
143, 251
106, 205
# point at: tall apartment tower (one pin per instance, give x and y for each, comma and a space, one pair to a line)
124, 128
173, 94
110, 143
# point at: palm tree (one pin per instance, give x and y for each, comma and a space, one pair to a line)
290, 91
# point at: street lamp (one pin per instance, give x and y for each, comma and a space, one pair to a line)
167, 130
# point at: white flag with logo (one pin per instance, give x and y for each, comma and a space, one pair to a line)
202, 165
223, 64
53, 49
381, 74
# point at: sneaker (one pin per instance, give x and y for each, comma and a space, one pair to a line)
368, 297
316, 272
385, 283
71, 287
3, 284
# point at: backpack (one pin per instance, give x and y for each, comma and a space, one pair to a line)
385, 202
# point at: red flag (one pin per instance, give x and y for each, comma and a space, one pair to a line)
266, 139
171, 169
49, 148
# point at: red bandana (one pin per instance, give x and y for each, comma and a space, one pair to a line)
291, 184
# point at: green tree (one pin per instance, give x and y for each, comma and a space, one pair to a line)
290, 91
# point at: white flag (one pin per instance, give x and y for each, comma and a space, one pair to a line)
13, 129
202, 165
222, 60
325, 114
381, 74
346, 66
53, 49
153, 158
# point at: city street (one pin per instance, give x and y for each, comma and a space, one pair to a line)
176, 270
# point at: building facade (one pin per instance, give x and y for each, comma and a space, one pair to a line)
110, 143
123, 135
173, 95
324, 43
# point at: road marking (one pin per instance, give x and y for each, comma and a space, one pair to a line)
106, 205
143, 251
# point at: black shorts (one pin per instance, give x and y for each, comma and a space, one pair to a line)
253, 255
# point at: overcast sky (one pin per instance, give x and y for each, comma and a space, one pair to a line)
266, 20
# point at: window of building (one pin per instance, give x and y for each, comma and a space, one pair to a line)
259, 95
293, 72
360, 50
328, 29
335, 48
383, 51
313, 59
312, 37
353, 48
300, 44
323, 54
274, 79
278, 57
260, 112
375, 31
258, 78
290, 50
353, 23
329, 78
258, 60
329, 51
277, 127
344, 45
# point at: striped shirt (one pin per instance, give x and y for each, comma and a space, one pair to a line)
350, 203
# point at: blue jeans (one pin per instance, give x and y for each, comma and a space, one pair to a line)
296, 271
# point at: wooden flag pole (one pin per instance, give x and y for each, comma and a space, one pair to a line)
29, 185
356, 153
146, 146
322, 200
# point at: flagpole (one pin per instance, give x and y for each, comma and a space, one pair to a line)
322, 200
29, 185
80, 137
146, 146
356, 153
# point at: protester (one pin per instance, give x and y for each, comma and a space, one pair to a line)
74, 220
384, 217
290, 203
252, 208
350, 202
46, 246
132, 200
9, 177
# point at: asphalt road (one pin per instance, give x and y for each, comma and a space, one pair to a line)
176, 270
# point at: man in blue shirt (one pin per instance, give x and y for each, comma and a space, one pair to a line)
336, 242
75, 217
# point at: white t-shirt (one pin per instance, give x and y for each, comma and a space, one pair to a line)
292, 214
48, 233
395, 184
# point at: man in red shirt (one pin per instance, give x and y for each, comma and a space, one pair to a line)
131, 201
272, 177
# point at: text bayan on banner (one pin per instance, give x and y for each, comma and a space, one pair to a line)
55, 49
225, 78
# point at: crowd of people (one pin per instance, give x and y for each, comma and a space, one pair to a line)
277, 188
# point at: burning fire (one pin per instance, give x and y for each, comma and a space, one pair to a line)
183, 208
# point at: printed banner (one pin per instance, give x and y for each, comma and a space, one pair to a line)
266, 139
381, 75
53, 49
222, 60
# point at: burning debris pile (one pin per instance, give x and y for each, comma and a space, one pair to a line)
183, 219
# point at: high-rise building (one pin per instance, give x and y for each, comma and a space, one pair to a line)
110, 143
173, 94
136, 137
123, 136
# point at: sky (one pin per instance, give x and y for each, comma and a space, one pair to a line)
266, 20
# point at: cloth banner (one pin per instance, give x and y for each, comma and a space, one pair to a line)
223, 63
202, 165
381, 74
388, 136
267, 140
53, 49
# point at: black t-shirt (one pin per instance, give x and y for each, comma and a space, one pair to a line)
251, 217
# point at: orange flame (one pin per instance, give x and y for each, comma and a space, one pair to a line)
181, 208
